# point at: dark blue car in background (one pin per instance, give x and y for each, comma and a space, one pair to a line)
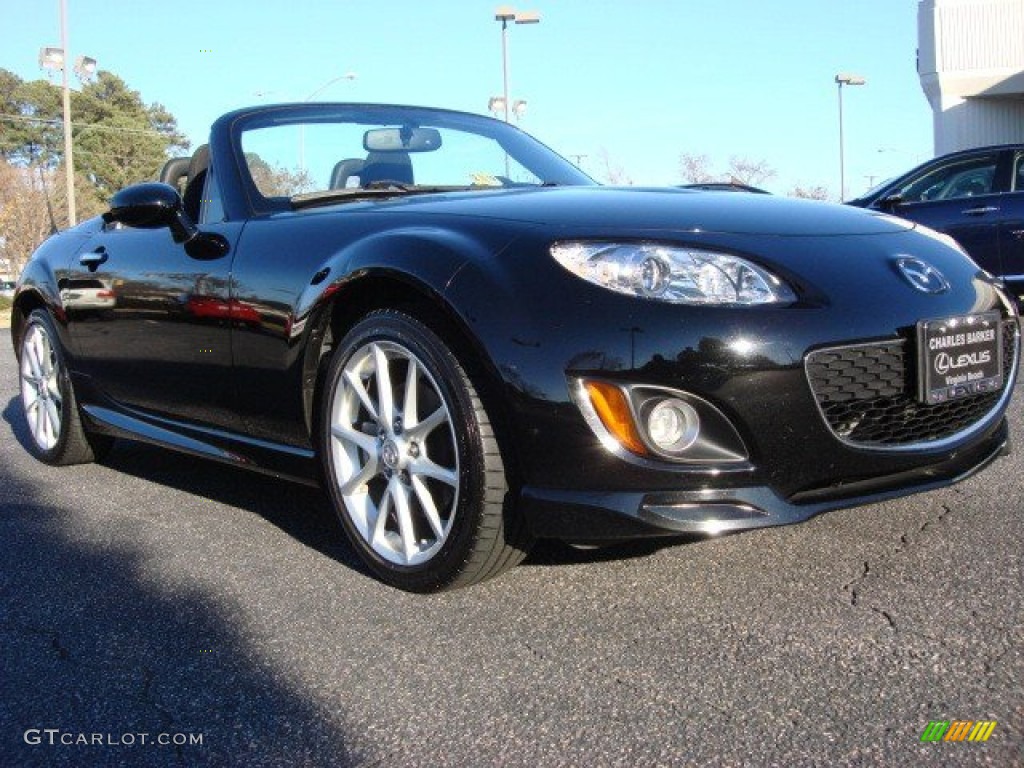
976, 196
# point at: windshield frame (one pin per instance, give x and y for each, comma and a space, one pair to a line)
551, 168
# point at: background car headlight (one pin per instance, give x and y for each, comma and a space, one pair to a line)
672, 274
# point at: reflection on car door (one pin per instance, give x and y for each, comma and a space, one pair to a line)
148, 346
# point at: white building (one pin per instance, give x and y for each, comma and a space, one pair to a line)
971, 63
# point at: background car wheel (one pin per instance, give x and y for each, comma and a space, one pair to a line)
56, 433
412, 463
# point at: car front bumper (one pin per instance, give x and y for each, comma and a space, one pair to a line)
594, 516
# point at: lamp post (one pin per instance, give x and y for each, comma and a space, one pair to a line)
498, 106
841, 80
505, 14
329, 83
85, 69
302, 128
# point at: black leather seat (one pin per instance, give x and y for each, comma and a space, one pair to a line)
197, 167
386, 166
174, 171
345, 169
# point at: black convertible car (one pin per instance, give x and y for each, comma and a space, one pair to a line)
472, 345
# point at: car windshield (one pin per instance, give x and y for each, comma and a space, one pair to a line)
330, 153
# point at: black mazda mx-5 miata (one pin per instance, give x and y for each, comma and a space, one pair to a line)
472, 345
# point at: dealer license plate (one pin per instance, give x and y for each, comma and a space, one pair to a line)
959, 357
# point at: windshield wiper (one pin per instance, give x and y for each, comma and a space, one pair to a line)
371, 190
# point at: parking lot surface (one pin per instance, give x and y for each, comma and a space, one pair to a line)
158, 594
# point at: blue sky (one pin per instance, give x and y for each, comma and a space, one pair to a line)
638, 80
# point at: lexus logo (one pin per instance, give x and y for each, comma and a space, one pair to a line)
923, 276
944, 362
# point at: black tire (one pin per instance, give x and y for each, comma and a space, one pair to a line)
56, 433
384, 474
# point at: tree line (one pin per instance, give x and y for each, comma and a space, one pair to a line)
117, 138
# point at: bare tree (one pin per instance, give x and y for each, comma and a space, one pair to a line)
812, 192
23, 218
614, 173
33, 202
694, 168
753, 173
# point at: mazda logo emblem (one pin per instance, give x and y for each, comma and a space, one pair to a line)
923, 276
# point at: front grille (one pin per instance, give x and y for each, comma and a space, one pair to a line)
868, 394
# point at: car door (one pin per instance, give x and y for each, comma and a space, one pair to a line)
160, 339
1011, 234
963, 198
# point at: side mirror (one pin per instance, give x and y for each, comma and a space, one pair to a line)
890, 203
152, 205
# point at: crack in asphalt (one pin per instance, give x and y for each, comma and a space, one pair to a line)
54, 637
64, 654
906, 540
148, 676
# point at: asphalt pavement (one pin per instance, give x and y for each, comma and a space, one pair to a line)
156, 609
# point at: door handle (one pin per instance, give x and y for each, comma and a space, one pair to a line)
93, 259
980, 211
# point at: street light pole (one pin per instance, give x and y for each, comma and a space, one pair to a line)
302, 127
329, 83
505, 14
841, 80
69, 160
85, 69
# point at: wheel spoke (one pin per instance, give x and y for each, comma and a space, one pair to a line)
428, 505
356, 384
40, 429
426, 468
375, 528
26, 376
400, 495
32, 355
385, 394
429, 424
360, 439
362, 477
409, 416
42, 354
52, 417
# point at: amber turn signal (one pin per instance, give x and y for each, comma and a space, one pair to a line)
613, 409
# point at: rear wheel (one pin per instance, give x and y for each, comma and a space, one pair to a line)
413, 466
56, 433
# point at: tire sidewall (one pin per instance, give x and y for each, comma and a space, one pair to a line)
448, 376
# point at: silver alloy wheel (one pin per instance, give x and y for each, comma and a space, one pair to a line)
40, 387
394, 454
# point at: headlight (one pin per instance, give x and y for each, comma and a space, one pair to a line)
676, 275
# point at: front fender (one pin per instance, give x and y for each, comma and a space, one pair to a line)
39, 284
426, 258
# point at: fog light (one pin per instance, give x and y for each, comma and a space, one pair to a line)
672, 425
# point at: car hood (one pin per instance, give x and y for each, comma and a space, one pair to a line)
659, 209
